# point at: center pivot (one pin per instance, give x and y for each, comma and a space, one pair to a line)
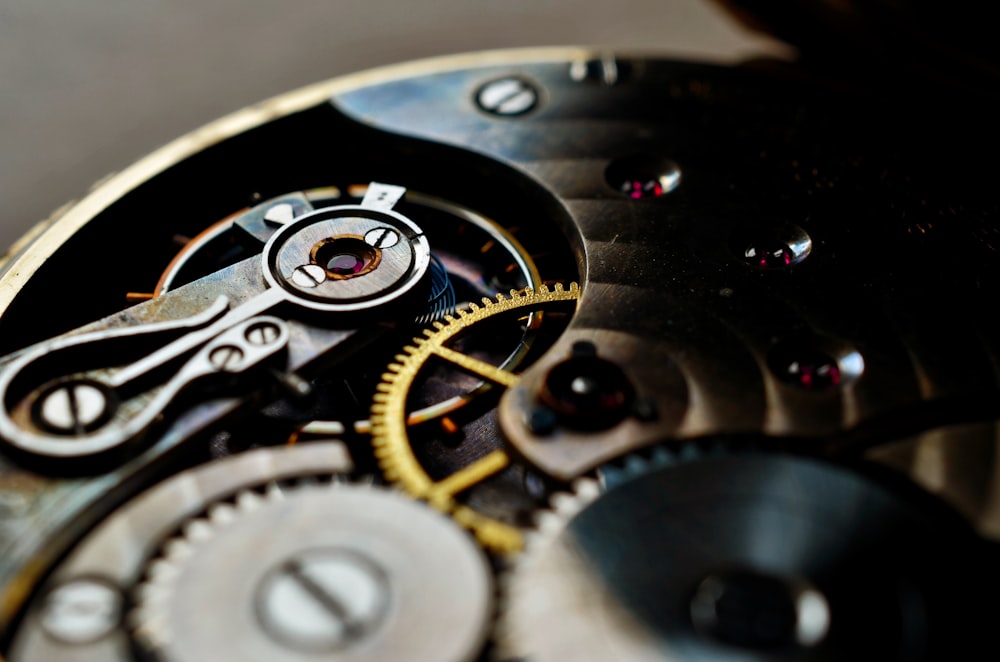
349, 258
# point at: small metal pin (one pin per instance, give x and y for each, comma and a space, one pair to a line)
293, 384
448, 425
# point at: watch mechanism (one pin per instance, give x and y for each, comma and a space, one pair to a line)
539, 355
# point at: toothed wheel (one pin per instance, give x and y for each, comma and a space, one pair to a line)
743, 557
339, 571
400, 453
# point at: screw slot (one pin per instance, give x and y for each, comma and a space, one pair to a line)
323, 600
73, 406
507, 97
226, 357
262, 333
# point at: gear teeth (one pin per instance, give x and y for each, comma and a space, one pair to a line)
689, 453
221, 514
661, 457
587, 488
563, 507
198, 530
163, 571
177, 549
249, 501
547, 522
634, 464
390, 439
148, 617
161, 601
561, 501
274, 492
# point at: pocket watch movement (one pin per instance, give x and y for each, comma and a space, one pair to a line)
532, 355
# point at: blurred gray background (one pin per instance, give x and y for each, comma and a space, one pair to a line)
88, 87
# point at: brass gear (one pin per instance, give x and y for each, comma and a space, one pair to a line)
391, 439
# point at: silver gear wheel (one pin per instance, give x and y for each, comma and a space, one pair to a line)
341, 571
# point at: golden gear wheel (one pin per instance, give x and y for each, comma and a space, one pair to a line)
390, 437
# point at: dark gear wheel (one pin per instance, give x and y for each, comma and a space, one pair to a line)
744, 557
